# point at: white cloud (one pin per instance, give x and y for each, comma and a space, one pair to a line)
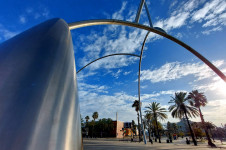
222, 17
176, 21
33, 13
211, 14
22, 19
92, 88
118, 14
92, 98
214, 107
207, 32
113, 39
201, 13
117, 74
81, 75
179, 35
216, 85
176, 70
126, 72
5, 34
107, 105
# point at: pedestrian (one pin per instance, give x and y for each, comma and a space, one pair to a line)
221, 139
187, 141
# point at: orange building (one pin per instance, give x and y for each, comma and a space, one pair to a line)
122, 129
118, 129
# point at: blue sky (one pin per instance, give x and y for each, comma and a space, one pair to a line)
110, 85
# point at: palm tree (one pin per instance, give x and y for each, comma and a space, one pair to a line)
197, 100
95, 115
210, 126
180, 108
87, 118
157, 112
136, 105
133, 127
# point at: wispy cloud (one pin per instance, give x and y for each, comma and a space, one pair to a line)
92, 88
22, 19
203, 12
34, 13
177, 70
212, 14
113, 39
117, 74
207, 32
116, 39
209, 14
5, 33
126, 73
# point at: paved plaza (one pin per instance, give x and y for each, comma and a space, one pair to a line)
111, 144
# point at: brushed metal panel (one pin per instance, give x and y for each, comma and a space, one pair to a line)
39, 107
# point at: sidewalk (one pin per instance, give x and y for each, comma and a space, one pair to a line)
103, 144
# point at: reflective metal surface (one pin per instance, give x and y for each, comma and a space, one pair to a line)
39, 107
136, 25
148, 14
139, 11
141, 54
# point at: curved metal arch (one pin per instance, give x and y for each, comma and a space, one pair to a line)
136, 25
141, 54
105, 57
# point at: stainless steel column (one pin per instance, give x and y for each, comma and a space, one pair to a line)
39, 107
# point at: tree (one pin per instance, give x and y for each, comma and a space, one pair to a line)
210, 126
95, 115
104, 127
87, 119
175, 127
155, 110
133, 128
137, 106
82, 121
169, 127
197, 100
180, 108
219, 132
196, 126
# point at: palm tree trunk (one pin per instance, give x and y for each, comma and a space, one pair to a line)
210, 143
157, 129
138, 125
155, 134
149, 133
192, 134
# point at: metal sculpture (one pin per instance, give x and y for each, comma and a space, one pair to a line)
117, 54
141, 54
154, 30
39, 107
38, 92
